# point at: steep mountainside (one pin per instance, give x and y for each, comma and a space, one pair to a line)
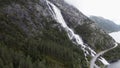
83, 26
30, 37
105, 24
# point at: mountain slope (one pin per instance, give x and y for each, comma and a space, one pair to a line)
83, 26
30, 37
105, 24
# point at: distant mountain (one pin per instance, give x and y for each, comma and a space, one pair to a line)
107, 25
48, 34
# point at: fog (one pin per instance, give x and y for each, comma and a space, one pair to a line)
108, 9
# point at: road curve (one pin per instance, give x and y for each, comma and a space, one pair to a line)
92, 62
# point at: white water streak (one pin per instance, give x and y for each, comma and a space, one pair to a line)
74, 37
92, 62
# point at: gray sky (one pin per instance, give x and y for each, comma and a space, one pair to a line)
105, 8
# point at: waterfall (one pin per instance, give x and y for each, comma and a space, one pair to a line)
92, 62
75, 38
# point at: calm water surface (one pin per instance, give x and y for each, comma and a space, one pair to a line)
114, 65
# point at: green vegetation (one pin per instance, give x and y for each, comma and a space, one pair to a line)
113, 55
30, 38
95, 38
50, 47
50, 50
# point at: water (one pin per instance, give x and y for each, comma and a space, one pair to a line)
92, 63
114, 65
116, 36
75, 38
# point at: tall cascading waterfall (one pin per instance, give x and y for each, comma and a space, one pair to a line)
76, 39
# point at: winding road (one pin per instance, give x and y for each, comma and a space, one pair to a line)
92, 62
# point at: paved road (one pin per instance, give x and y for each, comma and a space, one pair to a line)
92, 62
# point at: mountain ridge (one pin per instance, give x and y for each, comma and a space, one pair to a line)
32, 38
106, 24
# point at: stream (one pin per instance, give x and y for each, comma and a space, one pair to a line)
92, 62
75, 38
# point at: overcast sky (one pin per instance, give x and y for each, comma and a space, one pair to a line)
109, 9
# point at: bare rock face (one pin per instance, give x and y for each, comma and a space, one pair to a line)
86, 28
31, 17
72, 16
28, 16
28, 30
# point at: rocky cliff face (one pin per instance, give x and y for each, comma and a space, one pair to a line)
90, 33
29, 31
